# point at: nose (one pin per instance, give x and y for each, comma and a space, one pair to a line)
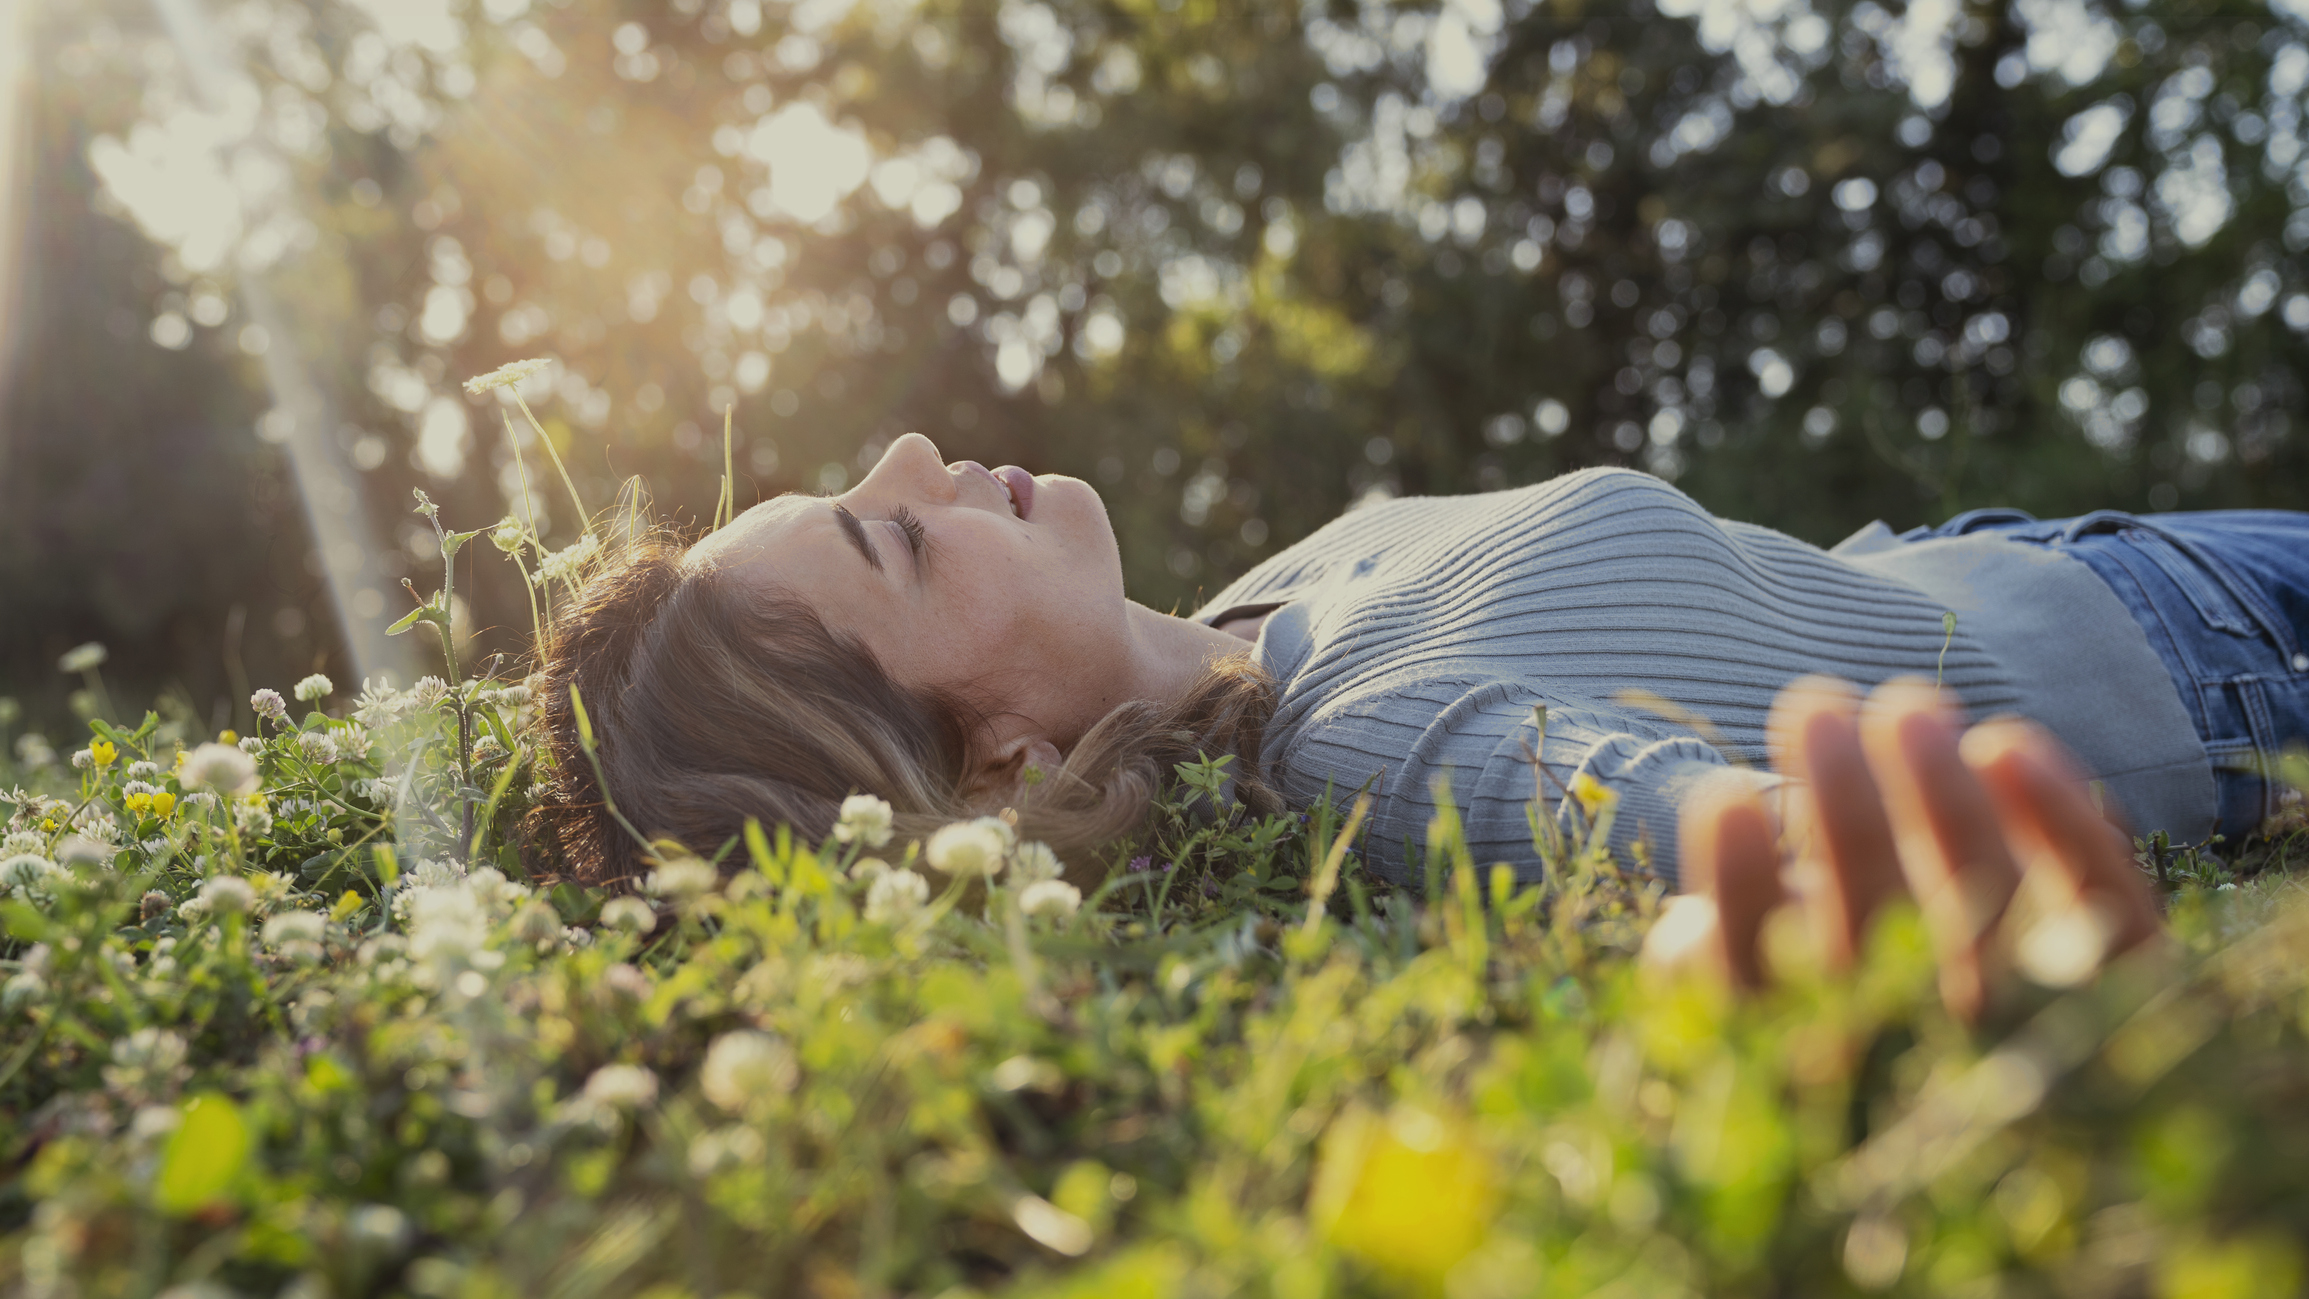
912, 469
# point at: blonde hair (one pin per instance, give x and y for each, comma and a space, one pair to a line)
712, 704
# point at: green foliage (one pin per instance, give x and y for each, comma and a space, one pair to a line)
283, 1036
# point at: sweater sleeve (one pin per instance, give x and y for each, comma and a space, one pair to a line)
1410, 737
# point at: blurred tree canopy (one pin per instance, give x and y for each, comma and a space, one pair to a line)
1240, 265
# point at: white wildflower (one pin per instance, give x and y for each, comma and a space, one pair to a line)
428, 692
83, 759
746, 1066
513, 696
76, 849
379, 704
269, 704
22, 841
628, 915
251, 745
226, 895
1035, 861
969, 847
682, 878
83, 658
25, 989
318, 748
142, 771
507, 536
314, 688
866, 868
253, 817
138, 787
506, 375
487, 749
1054, 898
26, 871
567, 565
296, 935
622, 1086
895, 895
33, 750
353, 742
865, 820
447, 927
220, 767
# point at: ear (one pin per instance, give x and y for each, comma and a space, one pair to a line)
1000, 780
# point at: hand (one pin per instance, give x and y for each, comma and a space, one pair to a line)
1895, 796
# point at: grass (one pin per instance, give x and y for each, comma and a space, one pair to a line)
325, 1039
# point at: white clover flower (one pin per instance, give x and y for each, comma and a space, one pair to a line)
268, 703
1054, 898
295, 927
1035, 861
514, 696
507, 536
567, 565
746, 1066
379, 704
353, 742
318, 748
138, 787
83, 658
142, 771
76, 849
25, 989
315, 687
26, 871
487, 749
628, 915
447, 927
865, 820
22, 841
428, 692
506, 375
226, 895
895, 895
866, 868
682, 878
969, 847
253, 818
622, 1086
220, 767
83, 759
499, 894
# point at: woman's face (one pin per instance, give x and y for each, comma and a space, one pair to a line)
1000, 586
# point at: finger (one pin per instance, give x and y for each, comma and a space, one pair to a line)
1950, 842
1844, 835
2040, 794
1727, 853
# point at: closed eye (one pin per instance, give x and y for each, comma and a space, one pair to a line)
917, 537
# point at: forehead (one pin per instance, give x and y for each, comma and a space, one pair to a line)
779, 523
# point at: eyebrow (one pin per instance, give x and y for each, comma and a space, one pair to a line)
855, 532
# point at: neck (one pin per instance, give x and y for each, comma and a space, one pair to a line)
1169, 653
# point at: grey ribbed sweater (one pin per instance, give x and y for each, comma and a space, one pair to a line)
1413, 639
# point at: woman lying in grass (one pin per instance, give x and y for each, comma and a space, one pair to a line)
956, 640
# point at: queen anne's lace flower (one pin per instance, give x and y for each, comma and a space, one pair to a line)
567, 564
506, 375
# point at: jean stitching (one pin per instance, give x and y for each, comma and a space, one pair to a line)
2247, 594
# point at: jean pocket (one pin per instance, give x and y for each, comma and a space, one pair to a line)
2206, 589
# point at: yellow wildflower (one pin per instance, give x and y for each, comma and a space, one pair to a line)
1589, 791
163, 803
101, 753
228, 736
138, 802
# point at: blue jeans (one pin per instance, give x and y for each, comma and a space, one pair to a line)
2224, 598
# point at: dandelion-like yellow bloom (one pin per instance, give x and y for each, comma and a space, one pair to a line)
138, 803
101, 753
1589, 791
505, 375
163, 803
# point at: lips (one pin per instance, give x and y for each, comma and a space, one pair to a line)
1021, 485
